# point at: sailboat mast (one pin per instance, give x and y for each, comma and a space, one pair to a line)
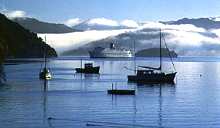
160, 51
81, 63
135, 70
45, 54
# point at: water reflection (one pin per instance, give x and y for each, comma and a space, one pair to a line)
2, 74
192, 102
162, 92
160, 115
44, 97
91, 76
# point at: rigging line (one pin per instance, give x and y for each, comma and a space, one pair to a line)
45, 54
134, 52
169, 52
129, 68
147, 67
160, 50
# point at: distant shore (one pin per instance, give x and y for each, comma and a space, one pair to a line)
22, 61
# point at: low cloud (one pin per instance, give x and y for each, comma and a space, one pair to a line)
103, 21
182, 27
14, 14
216, 31
72, 22
129, 23
215, 18
69, 41
186, 39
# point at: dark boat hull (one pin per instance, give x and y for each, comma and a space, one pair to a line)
90, 70
121, 92
153, 78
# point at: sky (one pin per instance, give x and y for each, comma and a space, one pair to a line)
125, 13
140, 10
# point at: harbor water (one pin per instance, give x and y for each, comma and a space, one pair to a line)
77, 100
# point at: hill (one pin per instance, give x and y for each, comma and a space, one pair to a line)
155, 52
18, 42
2, 51
37, 26
76, 52
207, 23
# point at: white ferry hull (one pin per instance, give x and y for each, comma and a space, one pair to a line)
109, 55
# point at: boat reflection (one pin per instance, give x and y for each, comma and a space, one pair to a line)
91, 76
44, 98
149, 90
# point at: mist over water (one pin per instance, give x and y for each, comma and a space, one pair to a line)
185, 39
69, 41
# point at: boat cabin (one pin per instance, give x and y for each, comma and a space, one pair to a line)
147, 72
88, 68
88, 65
112, 46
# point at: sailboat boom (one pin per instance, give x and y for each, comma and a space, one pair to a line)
159, 68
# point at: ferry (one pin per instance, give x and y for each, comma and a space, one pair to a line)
111, 52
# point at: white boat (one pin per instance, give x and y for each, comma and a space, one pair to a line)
45, 72
111, 52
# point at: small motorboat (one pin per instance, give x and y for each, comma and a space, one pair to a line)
88, 69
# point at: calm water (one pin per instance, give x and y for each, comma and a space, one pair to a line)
75, 100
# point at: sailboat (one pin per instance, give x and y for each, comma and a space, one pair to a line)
45, 72
152, 74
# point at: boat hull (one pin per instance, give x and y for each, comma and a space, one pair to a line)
90, 70
153, 78
121, 92
109, 55
45, 76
